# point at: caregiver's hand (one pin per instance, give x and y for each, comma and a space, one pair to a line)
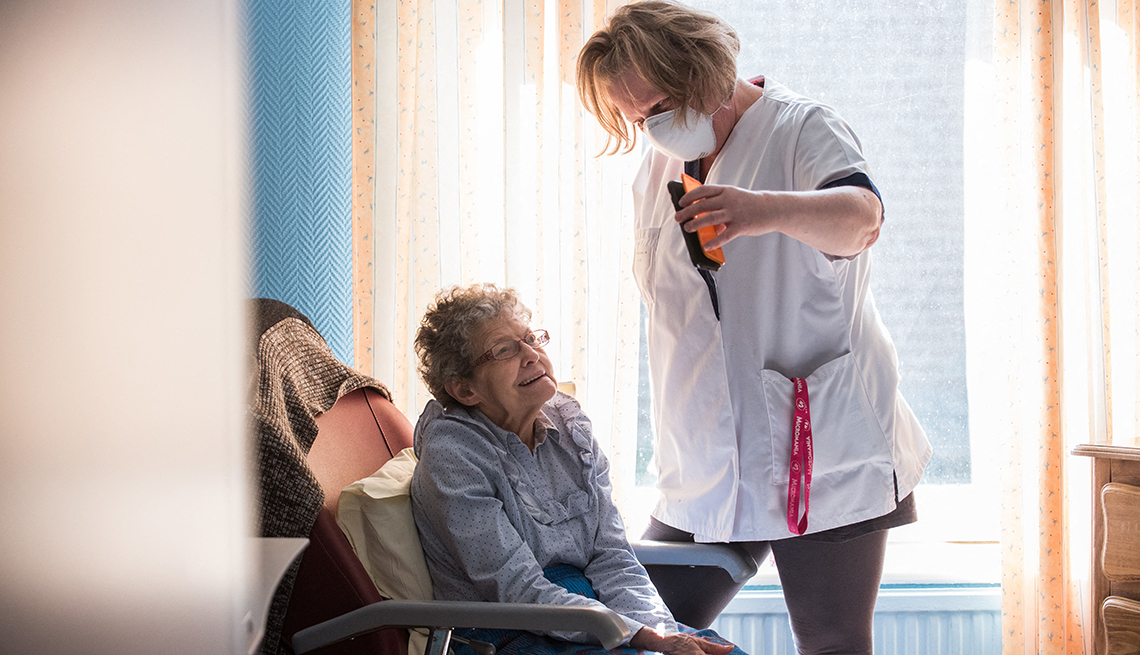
842, 221
678, 644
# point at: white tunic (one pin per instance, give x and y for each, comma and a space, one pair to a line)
721, 389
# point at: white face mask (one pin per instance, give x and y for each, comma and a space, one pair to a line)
694, 141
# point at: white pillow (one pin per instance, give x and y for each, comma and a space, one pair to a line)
376, 515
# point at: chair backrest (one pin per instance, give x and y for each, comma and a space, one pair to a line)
357, 436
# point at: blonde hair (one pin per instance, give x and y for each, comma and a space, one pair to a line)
444, 339
687, 54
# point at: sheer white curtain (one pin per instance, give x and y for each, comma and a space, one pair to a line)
485, 171
1100, 246
1052, 244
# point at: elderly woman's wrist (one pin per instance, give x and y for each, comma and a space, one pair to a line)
646, 639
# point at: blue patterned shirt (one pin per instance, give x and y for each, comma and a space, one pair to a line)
492, 516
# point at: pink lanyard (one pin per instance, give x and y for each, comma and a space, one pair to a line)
801, 459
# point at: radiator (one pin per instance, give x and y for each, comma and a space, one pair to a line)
909, 620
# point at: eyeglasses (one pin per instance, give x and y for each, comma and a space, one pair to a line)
511, 347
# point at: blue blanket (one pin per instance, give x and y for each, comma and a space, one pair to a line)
518, 642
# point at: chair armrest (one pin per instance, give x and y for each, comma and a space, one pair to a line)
735, 561
603, 623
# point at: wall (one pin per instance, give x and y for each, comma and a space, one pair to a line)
301, 128
122, 451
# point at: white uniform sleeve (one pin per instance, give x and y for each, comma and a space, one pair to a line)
826, 150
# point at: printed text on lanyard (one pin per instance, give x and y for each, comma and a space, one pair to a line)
801, 463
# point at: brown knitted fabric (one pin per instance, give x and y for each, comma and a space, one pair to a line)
298, 378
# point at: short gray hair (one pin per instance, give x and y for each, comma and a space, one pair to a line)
444, 339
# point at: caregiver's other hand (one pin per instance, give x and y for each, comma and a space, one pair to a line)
842, 221
678, 644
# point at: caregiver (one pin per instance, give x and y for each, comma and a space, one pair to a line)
776, 405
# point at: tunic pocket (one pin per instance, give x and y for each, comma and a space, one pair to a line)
845, 435
645, 260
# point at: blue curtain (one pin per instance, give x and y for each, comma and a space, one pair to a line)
300, 81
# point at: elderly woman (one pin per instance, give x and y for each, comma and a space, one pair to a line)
511, 495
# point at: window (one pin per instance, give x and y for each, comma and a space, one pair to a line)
898, 73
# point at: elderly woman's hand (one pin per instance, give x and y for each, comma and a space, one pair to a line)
842, 221
678, 644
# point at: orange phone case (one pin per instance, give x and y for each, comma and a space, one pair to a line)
705, 233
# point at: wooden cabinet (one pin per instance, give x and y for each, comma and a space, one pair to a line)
1116, 548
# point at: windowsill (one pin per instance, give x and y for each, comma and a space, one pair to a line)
918, 577
910, 563
949, 563
756, 600
959, 548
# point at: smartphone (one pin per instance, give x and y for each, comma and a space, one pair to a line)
710, 260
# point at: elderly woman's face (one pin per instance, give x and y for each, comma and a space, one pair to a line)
512, 390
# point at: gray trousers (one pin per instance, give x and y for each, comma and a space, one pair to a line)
830, 587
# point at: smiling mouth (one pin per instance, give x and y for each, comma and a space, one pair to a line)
533, 380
